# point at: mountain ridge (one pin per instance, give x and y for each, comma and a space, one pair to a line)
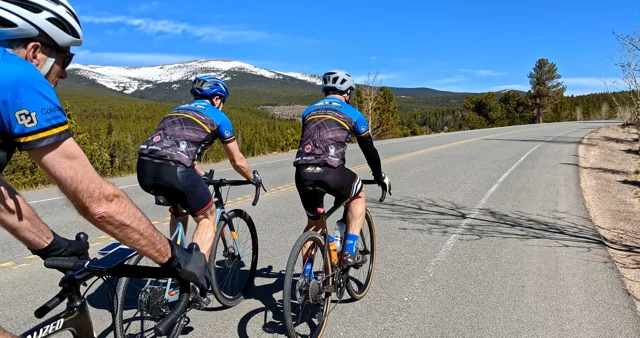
171, 82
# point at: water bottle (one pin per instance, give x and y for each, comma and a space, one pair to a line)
340, 228
333, 253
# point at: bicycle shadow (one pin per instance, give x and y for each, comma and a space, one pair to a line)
99, 300
265, 294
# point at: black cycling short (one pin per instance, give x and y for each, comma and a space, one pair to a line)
340, 182
179, 185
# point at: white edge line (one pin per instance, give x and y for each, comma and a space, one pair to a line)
444, 251
452, 240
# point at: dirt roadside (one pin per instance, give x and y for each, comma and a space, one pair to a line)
610, 181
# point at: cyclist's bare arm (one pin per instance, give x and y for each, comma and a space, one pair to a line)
199, 168
238, 162
21, 220
97, 200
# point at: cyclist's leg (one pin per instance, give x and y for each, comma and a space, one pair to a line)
311, 201
184, 219
344, 183
5, 334
196, 198
307, 177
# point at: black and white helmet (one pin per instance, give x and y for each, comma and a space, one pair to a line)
339, 81
49, 21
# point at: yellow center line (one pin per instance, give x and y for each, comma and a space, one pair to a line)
7, 264
20, 266
155, 222
103, 236
413, 153
96, 243
32, 257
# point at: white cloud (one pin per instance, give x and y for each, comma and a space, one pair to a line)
171, 28
380, 77
132, 59
373, 58
583, 85
482, 72
147, 7
451, 79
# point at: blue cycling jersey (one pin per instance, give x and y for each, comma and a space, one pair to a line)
31, 114
184, 134
327, 126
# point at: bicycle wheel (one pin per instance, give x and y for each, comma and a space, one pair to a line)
232, 280
303, 301
356, 287
149, 303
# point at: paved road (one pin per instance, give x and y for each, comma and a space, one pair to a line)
486, 235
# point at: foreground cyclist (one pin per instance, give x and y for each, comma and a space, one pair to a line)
35, 41
168, 159
327, 126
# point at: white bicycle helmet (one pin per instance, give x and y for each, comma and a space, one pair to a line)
339, 81
49, 21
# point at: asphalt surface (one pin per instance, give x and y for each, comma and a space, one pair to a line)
486, 235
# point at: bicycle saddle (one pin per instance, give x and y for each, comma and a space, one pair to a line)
161, 200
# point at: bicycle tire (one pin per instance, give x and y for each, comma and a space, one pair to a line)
288, 280
360, 293
225, 300
120, 295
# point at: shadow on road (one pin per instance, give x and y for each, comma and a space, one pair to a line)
559, 229
266, 294
600, 169
557, 140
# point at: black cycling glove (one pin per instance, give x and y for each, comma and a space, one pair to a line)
62, 247
191, 265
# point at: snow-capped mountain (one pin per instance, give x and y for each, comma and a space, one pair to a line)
131, 80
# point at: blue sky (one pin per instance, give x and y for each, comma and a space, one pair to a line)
448, 45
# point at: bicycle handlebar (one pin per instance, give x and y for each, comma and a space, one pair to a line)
384, 192
165, 325
78, 271
221, 182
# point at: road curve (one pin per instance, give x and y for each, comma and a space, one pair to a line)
486, 235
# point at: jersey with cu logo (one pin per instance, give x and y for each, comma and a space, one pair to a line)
184, 134
31, 114
327, 126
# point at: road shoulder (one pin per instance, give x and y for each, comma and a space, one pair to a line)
609, 177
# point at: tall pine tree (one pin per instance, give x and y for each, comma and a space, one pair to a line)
546, 89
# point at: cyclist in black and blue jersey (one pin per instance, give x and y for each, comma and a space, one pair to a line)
327, 126
168, 159
35, 41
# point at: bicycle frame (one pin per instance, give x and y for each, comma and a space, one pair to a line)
75, 319
179, 235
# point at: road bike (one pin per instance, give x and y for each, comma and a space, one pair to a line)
307, 298
76, 318
227, 257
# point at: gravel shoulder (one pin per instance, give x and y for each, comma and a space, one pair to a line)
610, 181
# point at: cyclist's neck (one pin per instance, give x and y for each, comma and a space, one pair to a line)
333, 96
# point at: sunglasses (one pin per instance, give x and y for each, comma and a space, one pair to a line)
68, 56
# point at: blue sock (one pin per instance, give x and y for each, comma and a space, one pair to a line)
351, 243
308, 269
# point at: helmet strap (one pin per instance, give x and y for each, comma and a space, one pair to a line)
49, 63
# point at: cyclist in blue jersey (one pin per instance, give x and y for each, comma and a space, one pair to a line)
35, 41
168, 159
327, 126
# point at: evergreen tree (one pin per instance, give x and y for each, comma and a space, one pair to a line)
386, 119
546, 89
